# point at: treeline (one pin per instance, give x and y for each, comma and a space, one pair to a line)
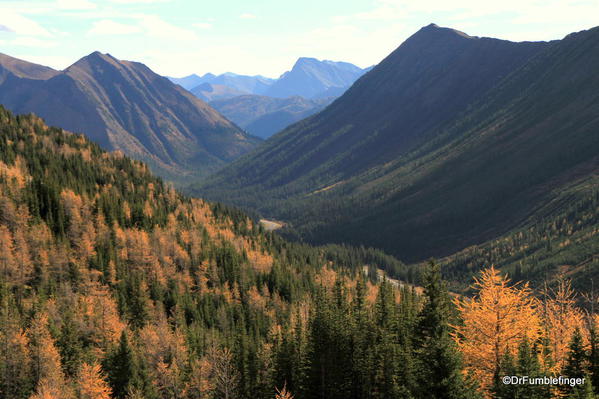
114, 286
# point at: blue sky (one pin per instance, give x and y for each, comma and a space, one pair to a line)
180, 37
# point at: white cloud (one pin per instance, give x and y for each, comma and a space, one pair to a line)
203, 25
75, 5
21, 25
4, 28
109, 27
156, 27
247, 16
27, 41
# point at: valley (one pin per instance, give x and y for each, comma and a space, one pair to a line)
423, 228
427, 179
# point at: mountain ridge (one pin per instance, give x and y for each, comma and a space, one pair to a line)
124, 105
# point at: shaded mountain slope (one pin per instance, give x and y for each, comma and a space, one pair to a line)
124, 105
464, 149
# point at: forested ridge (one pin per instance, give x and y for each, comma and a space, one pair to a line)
113, 285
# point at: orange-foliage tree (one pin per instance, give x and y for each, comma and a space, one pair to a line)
91, 383
495, 320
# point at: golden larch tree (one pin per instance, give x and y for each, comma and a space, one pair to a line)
495, 321
91, 384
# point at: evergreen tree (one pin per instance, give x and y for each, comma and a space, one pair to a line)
69, 345
387, 354
576, 364
126, 372
440, 369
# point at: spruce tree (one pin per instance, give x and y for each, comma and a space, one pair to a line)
127, 372
576, 365
440, 367
120, 368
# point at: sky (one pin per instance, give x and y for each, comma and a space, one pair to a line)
265, 37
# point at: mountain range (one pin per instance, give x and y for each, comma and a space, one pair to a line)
309, 78
449, 142
264, 106
123, 105
264, 116
243, 83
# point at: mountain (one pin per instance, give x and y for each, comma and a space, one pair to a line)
249, 84
451, 141
23, 69
264, 116
242, 83
311, 78
210, 92
191, 81
123, 105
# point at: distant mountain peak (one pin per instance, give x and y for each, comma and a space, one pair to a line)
313, 78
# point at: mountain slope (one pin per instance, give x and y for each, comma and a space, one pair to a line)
450, 141
23, 69
311, 78
124, 105
263, 116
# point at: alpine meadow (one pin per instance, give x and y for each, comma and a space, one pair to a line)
285, 200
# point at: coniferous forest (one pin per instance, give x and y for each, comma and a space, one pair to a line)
114, 285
